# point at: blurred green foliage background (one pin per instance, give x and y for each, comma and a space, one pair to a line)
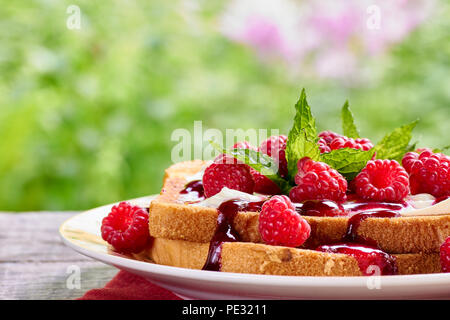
86, 115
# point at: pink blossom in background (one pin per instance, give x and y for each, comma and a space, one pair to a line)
327, 39
270, 27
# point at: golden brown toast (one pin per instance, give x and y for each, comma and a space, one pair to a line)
171, 219
245, 257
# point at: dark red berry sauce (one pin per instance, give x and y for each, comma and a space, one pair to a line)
225, 231
352, 207
193, 191
320, 208
328, 208
371, 260
355, 221
440, 199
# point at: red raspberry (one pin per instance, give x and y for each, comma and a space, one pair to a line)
126, 228
317, 181
428, 172
280, 224
382, 180
420, 150
329, 140
275, 147
329, 136
244, 145
226, 171
445, 255
323, 146
262, 184
364, 144
344, 142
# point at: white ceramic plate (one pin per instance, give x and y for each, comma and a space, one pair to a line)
82, 233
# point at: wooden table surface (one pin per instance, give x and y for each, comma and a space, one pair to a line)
35, 264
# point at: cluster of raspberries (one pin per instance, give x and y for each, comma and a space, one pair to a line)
228, 172
381, 180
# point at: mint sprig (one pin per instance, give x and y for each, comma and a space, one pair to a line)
348, 123
395, 144
258, 161
302, 138
303, 142
348, 162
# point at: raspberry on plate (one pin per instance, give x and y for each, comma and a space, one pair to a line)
428, 172
126, 228
382, 180
280, 224
275, 147
317, 181
445, 255
226, 171
263, 184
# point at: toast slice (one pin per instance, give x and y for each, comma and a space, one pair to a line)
170, 218
256, 258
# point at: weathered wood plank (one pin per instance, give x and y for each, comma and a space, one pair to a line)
48, 281
35, 264
33, 237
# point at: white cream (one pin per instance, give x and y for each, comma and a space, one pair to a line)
423, 206
421, 200
198, 175
227, 194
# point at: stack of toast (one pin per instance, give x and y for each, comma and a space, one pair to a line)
182, 234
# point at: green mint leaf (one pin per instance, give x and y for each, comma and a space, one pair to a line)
395, 144
411, 147
302, 139
441, 150
263, 164
348, 123
260, 162
348, 162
